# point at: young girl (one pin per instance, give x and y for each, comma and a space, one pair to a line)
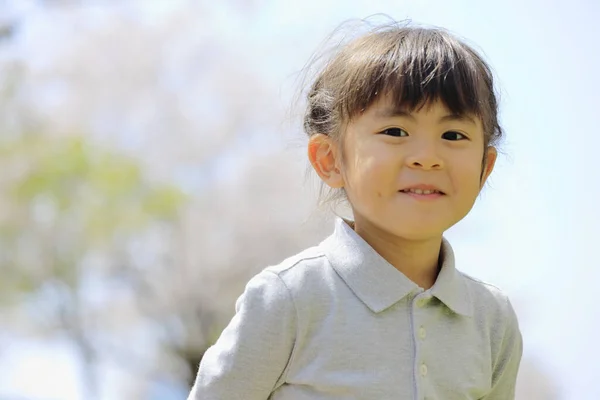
403, 122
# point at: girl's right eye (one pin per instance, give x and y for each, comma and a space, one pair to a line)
396, 132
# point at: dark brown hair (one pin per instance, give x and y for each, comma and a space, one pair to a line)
412, 64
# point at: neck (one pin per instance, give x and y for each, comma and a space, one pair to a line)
418, 260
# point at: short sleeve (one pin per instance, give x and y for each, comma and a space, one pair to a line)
508, 359
251, 355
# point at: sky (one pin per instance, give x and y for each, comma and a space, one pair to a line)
533, 230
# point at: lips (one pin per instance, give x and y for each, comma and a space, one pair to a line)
422, 190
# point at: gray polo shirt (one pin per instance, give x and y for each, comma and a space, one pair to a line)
339, 322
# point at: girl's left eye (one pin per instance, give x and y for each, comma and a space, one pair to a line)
453, 135
396, 132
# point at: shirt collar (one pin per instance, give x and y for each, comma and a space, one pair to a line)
378, 284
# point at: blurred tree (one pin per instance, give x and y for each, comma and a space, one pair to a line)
65, 204
225, 237
87, 247
7, 25
6, 31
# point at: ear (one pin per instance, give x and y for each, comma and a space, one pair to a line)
324, 157
488, 164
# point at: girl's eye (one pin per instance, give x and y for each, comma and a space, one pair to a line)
396, 132
453, 135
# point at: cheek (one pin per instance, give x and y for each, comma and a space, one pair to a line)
367, 162
467, 175
368, 178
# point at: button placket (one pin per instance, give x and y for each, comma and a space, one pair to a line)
419, 316
422, 333
421, 300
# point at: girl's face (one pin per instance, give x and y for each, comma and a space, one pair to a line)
413, 175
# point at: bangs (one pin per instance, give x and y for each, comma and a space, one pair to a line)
416, 67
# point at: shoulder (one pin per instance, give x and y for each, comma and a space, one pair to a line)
303, 278
497, 319
484, 290
280, 292
300, 261
277, 290
491, 303
306, 267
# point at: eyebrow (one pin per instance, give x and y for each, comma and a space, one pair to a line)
392, 113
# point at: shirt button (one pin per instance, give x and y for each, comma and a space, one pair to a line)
423, 369
421, 303
422, 333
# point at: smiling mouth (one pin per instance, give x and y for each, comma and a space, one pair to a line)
422, 192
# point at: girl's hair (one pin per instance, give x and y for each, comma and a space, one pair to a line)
415, 66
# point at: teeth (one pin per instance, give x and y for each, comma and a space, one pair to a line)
419, 191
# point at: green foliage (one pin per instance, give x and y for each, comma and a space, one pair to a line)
64, 198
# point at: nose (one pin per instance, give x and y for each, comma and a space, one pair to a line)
424, 156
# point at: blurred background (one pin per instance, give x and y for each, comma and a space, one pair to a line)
152, 161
